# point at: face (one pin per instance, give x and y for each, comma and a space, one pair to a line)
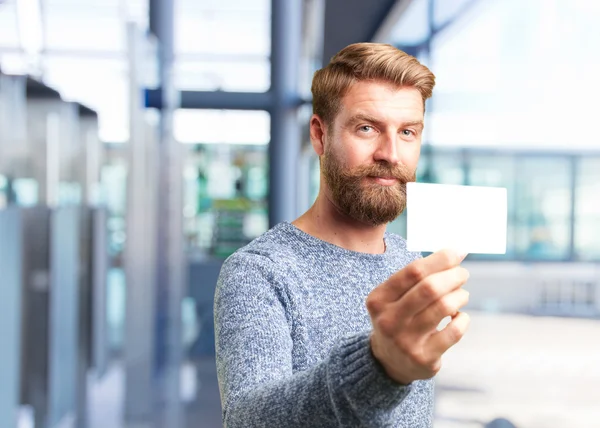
371, 150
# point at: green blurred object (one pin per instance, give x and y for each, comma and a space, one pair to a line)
228, 233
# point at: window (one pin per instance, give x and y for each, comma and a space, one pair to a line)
224, 74
222, 126
225, 200
9, 36
543, 207
587, 210
223, 45
444, 167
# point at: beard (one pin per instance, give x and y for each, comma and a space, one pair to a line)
362, 199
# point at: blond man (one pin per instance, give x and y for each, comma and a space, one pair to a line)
328, 321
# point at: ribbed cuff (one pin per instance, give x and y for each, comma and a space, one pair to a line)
359, 377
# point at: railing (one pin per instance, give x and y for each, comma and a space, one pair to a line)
578, 298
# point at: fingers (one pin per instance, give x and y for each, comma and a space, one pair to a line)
403, 280
448, 306
431, 289
440, 342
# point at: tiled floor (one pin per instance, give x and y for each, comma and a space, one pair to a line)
535, 372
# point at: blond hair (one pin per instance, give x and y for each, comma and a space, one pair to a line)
366, 61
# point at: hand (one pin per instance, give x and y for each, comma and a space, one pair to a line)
407, 309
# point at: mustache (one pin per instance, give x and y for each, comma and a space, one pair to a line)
399, 172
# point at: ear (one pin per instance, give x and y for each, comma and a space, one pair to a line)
317, 134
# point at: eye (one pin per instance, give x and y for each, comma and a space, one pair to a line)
365, 128
407, 133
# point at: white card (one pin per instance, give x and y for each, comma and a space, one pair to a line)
469, 219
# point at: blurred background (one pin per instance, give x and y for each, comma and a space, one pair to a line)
143, 141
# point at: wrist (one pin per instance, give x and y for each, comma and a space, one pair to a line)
378, 356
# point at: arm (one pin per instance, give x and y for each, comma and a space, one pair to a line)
254, 361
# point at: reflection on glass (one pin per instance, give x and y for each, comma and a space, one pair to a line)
225, 203
444, 168
223, 45
542, 240
587, 210
423, 167
25, 191
114, 186
3, 192
69, 193
543, 207
252, 75
219, 28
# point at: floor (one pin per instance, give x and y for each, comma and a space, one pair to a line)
200, 393
536, 372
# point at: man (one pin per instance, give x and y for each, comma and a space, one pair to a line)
329, 321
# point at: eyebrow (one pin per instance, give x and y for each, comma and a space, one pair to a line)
361, 117
418, 123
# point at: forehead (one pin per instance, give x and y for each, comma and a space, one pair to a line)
383, 100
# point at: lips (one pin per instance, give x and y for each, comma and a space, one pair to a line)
386, 181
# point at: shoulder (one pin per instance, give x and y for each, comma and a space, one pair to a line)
253, 278
277, 248
269, 256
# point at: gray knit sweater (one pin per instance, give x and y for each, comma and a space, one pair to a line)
292, 337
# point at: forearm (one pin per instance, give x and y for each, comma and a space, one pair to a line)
349, 388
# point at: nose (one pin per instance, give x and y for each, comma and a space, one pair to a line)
387, 149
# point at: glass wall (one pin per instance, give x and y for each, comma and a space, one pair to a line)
543, 208
225, 178
223, 45
587, 209
225, 197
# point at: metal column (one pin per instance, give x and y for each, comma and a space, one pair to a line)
141, 293
171, 261
284, 149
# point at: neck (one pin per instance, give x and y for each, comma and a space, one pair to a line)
324, 221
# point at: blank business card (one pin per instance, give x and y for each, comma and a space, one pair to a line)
471, 219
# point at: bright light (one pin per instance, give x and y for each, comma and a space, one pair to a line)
29, 15
222, 126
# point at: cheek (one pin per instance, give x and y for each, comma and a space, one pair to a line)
360, 153
352, 154
410, 157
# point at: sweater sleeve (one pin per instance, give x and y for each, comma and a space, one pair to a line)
254, 361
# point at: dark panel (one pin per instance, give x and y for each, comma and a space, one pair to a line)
352, 21
100, 347
84, 313
35, 315
202, 281
86, 111
38, 90
214, 100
